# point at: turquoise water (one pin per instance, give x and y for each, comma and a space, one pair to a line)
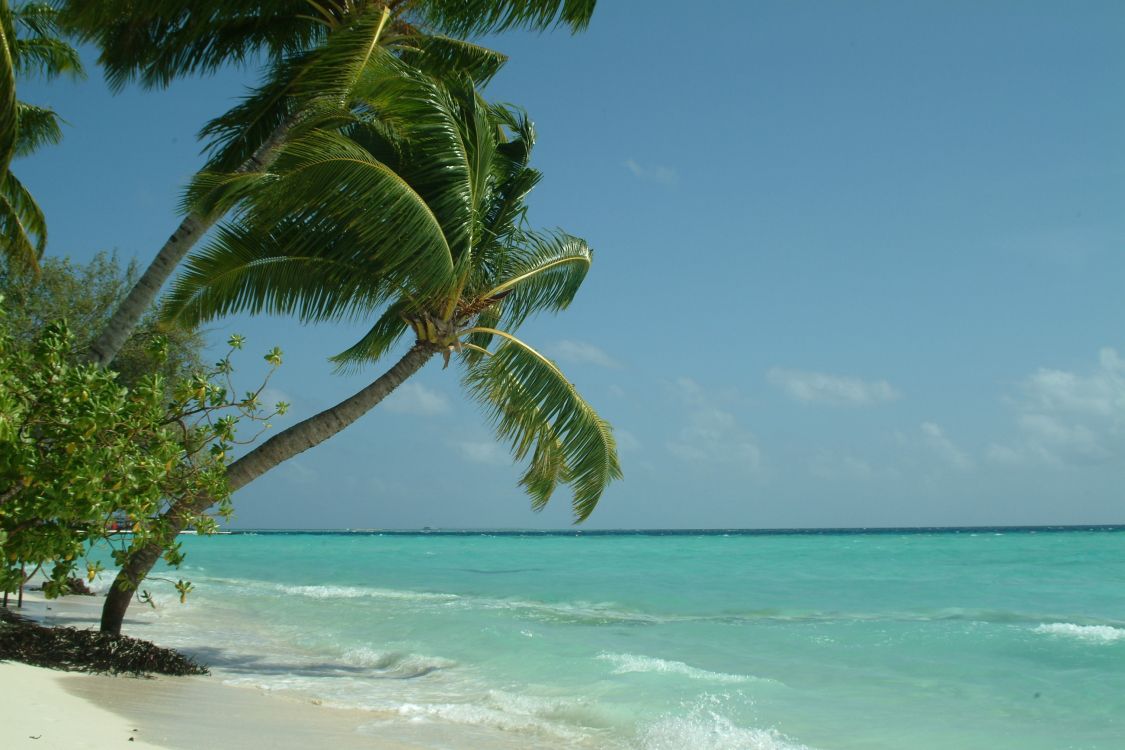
921, 641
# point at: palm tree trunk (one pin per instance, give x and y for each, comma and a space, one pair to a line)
281, 447
118, 328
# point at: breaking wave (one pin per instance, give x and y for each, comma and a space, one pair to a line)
1087, 633
627, 663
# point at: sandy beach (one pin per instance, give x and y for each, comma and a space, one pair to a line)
47, 709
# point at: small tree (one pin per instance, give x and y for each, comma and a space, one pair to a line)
81, 455
86, 296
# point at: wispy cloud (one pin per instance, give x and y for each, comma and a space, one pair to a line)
944, 448
657, 173
582, 353
300, 472
1068, 417
840, 467
626, 441
415, 398
819, 387
271, 397
1100, 394
482, 452
711, 434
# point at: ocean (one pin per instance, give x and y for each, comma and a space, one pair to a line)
674, 641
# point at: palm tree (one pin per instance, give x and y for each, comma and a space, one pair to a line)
29, 45
159, 40
417, 218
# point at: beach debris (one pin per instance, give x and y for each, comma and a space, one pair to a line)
77, 650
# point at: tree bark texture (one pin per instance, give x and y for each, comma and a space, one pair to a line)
281, 447
141, 297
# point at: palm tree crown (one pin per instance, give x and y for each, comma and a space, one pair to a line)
413, 212
314, 52
157, 41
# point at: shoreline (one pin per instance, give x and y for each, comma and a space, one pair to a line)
47, 709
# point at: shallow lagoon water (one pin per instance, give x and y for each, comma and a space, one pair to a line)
985, 639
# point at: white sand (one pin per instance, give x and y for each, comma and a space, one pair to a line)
47, 709
36, 711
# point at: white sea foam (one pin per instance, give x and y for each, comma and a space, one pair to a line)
710, 731
361, 592
1087, 633
626, 663
495, 713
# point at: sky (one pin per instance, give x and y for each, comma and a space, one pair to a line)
856, 264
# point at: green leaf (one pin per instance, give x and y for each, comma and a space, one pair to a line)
9, 121
531, 403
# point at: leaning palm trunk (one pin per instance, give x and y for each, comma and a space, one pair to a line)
192, 228
281, 447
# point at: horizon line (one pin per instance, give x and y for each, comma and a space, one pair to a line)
572, 531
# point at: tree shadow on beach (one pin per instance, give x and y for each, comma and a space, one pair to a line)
260, 664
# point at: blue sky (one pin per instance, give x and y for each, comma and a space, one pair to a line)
856, 265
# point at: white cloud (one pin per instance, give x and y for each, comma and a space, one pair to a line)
626, 441
711, 434
299, 472
1003, 454
1101, 393
1067, 417
270, 397
415, 398
829, 466
819, 387
653, 173
583, 353
937, 441
490, 453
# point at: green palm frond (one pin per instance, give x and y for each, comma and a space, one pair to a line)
38, 126
386, 332
479, 337
251, 271
27, 209
470, 17
506, 212
216, 193
516, 147
444, 57
343, 57
324, 180
156, 42
530, 401
427, 115
512, 177
231, 138
480, 131
40, 19
307, 89
545, 471
9, 120
326, 199
542, 272
48, 57
20, 224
